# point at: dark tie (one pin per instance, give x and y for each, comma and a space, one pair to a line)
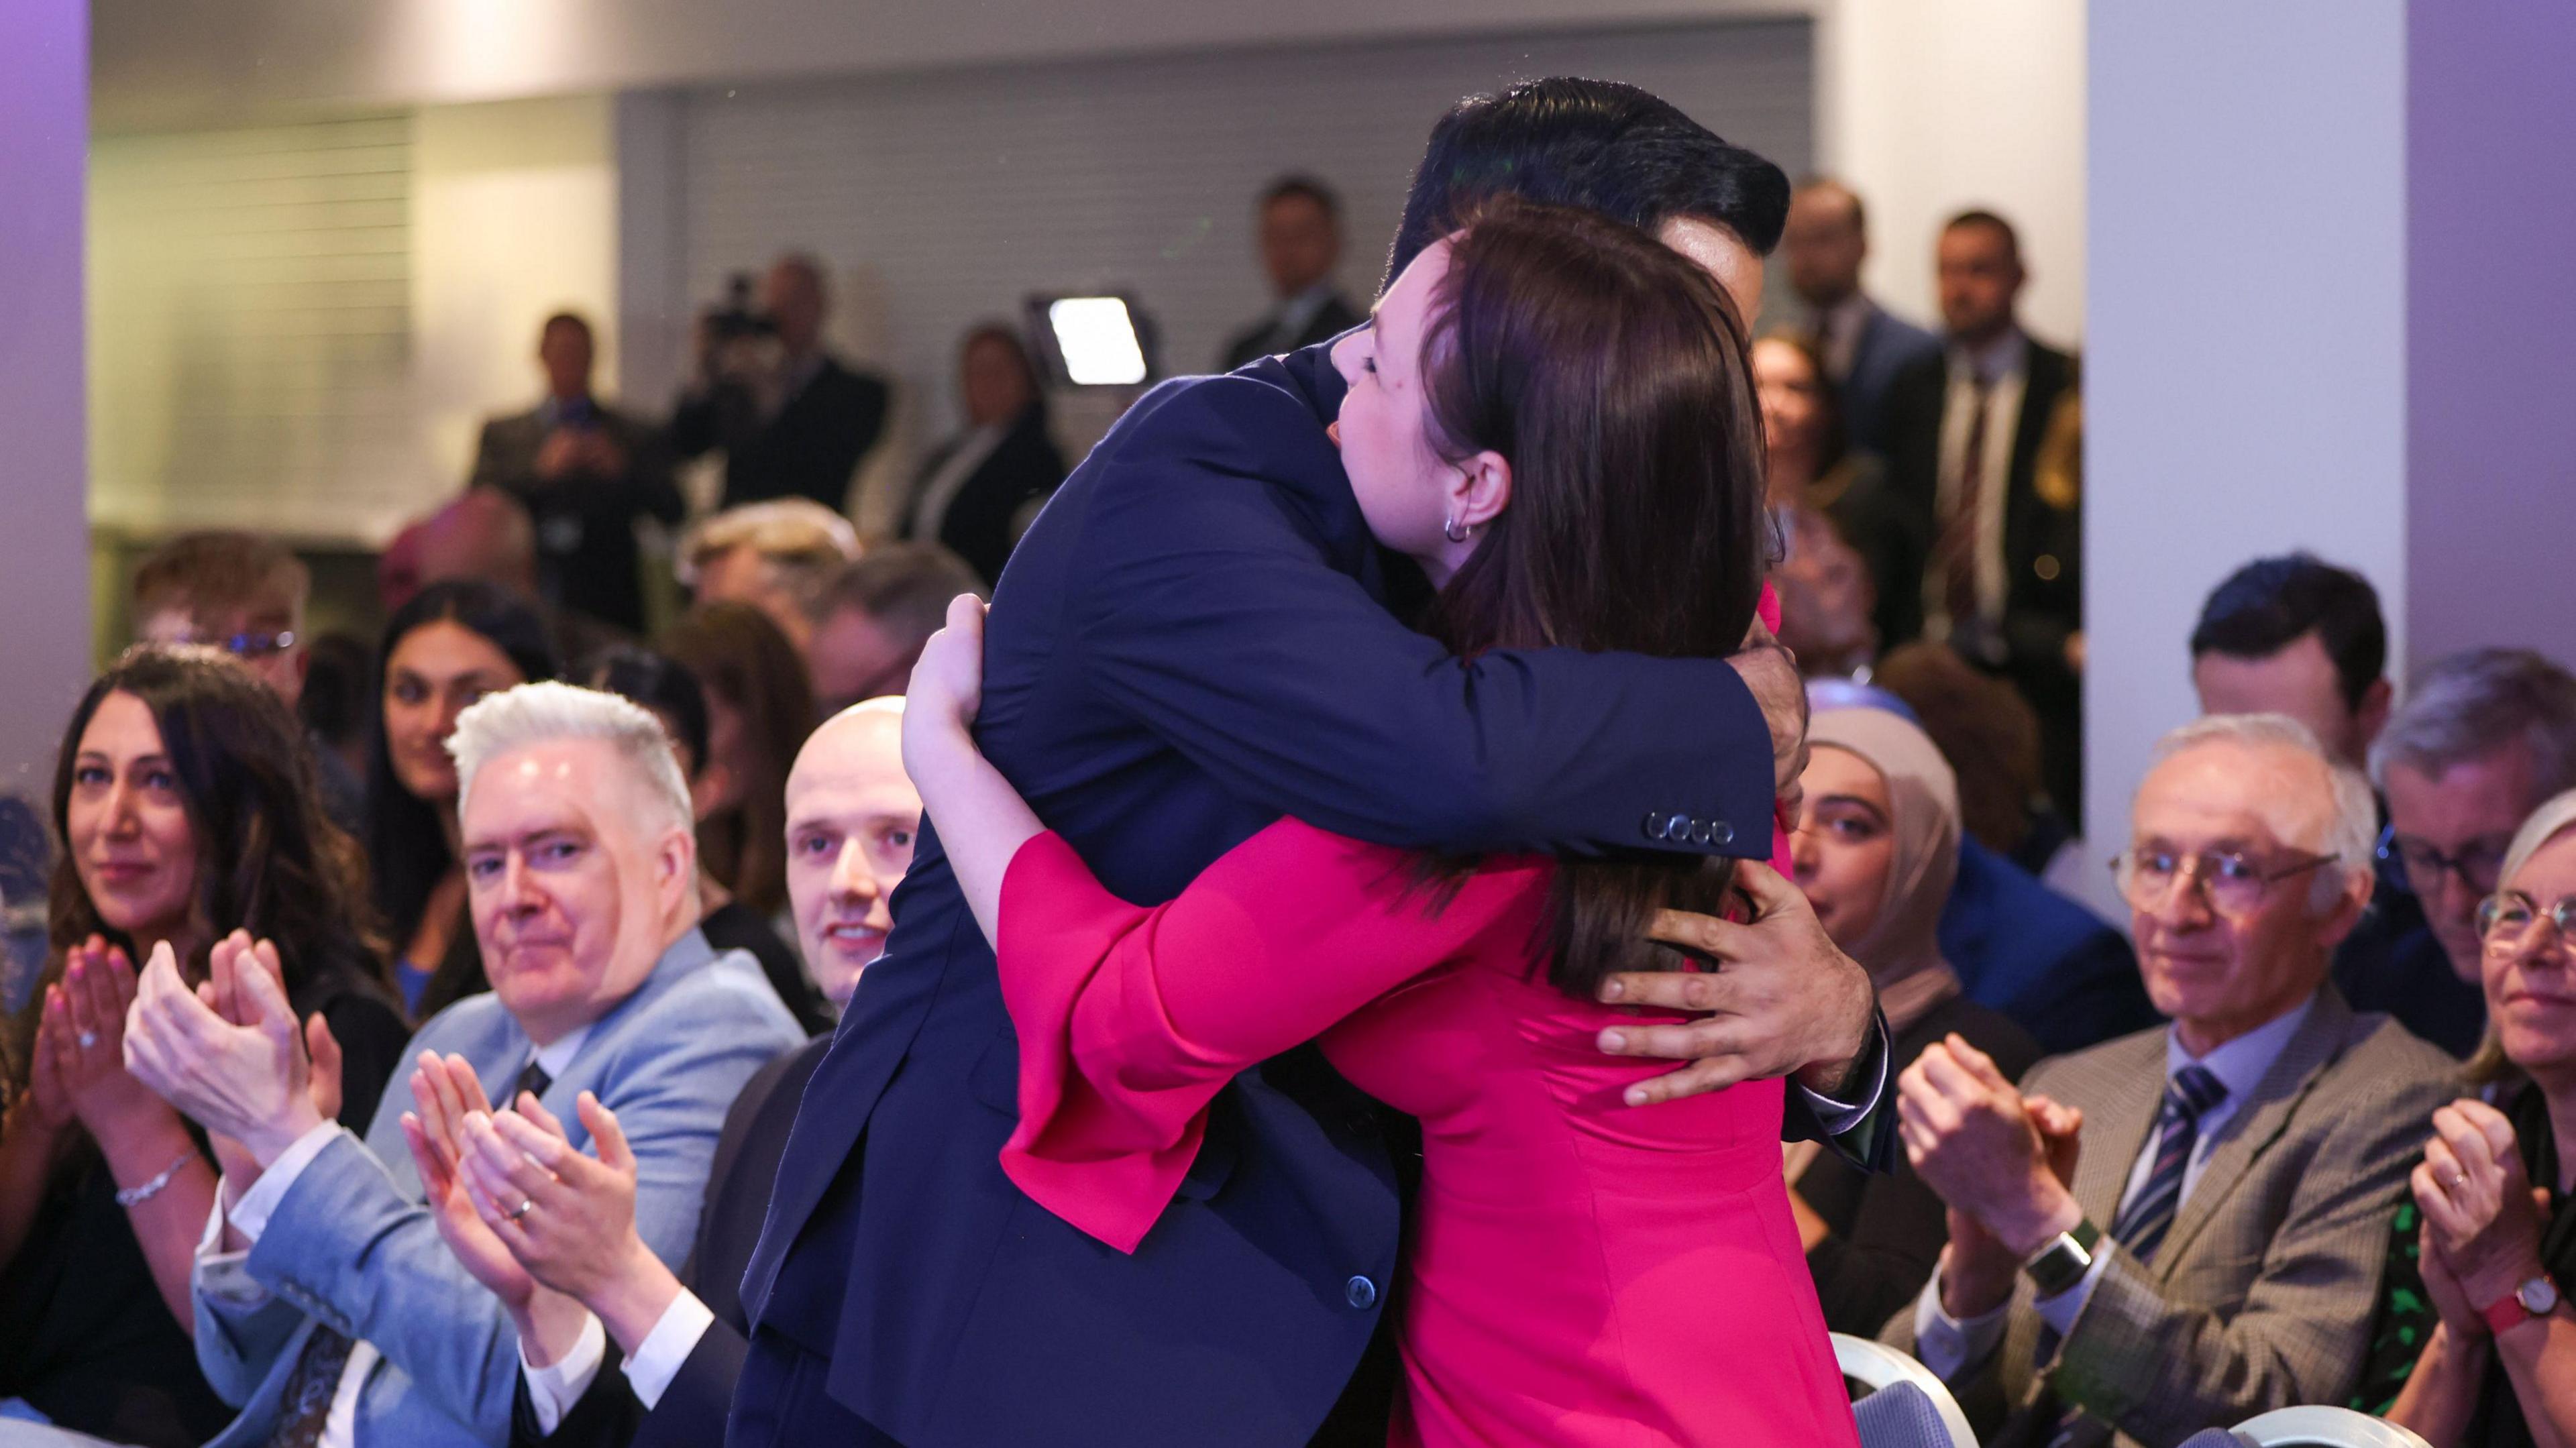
306, 1406
2191, 1094
533, 1080
1956, 552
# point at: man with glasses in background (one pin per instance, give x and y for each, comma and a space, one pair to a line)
243, 594
2214, 1249
2485, 736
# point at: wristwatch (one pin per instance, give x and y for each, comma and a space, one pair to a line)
2535, 1298
2064, 1261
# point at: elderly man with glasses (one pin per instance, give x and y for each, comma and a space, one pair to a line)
2185, 1226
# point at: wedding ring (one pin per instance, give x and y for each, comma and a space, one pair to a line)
88, 1040
525, 1206
2452, 1182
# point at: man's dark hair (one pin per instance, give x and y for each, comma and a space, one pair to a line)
573, 320
1594, 144
2271, 603
905, 587
1297, 184
2012, 238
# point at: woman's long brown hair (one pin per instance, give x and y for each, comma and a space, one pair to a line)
1610, 373
268, 859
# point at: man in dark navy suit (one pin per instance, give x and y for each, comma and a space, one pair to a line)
1193, 639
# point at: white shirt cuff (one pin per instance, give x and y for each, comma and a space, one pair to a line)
1948, 1346
659, 1357
2060, 1312
1837, 1117
251, 1213
553, 1390
220, 1275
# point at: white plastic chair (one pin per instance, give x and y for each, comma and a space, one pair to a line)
2326, 1428
1875, 1365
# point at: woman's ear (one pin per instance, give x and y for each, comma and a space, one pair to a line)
1483, 489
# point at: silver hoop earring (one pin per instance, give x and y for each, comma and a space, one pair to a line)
1450, 529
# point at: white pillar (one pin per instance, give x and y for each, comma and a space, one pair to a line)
44, 523
2328, 309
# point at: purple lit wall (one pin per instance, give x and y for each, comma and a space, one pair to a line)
2491, 324
44, 534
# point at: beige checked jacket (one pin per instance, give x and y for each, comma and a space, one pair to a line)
2263, 1292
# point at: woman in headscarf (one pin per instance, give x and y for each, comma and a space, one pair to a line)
1876, 848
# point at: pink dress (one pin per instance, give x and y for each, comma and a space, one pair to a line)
1583, 1273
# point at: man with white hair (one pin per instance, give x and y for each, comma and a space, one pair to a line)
328, 1304
2214, 1248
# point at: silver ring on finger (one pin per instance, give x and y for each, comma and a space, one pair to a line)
526, 1205
89, 1040
2452, 1182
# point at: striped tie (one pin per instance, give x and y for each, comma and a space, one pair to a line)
2145, 1217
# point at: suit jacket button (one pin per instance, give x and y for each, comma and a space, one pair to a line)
1699, 832
2045, 565
1361, 1292
1721, 833
1655, 825
1677, 829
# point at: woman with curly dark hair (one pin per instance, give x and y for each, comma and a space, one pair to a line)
187, 808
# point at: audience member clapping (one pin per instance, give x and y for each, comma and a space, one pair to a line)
877, 614
980, 489
1875, 850
188, 810
779, 557
2475, 1340
852, 814
450, 645
759, 710
2213, 1250
324, 1291
2484, 737
670, 690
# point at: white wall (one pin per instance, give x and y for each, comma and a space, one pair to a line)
2245, 387
162, 64
1928, 107
514, 218
44, 573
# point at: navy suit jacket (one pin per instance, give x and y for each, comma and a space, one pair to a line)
1888, 345
1189, 642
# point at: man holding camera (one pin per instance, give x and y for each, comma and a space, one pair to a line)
587, 474
792, 421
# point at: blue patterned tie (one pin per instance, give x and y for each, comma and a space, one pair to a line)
2144, 1218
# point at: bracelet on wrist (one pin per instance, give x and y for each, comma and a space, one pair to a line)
137, 1196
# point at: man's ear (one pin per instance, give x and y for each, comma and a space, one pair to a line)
2372, 716
675, 862
2338, 919
1483, 489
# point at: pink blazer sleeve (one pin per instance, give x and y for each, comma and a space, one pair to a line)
1131, 1020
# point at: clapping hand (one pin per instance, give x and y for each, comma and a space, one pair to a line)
239, 1071
567, 1217
2482, 1218
82, 1039
1784, 999
447, 1092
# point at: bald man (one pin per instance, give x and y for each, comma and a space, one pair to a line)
792, 421
851, 817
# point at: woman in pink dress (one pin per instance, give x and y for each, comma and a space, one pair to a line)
1550, 413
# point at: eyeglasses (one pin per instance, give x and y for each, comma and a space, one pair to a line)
246, 645
2478, 864
2503, 918
2234, 883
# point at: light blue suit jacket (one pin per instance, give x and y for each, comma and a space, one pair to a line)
352, 1246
